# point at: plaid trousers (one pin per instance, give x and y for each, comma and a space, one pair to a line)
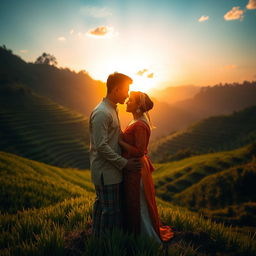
107, 209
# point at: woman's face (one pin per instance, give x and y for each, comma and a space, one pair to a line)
131, 105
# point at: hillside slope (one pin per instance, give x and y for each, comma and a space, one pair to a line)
28, 184
177, 176
213, 134
37, 128
75, 90
229, 187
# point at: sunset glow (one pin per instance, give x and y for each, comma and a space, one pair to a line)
177, 42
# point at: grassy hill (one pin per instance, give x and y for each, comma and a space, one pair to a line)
38, 128
218, 184
213, 134
28, 184
229, 187
61, 226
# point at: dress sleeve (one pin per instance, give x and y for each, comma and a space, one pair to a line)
141, 141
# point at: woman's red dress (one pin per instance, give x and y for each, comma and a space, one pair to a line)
137, 135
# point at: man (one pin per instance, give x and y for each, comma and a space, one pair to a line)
105, 159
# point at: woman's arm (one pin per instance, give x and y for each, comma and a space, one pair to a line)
141, 140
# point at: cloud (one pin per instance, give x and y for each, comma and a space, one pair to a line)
234, 14
96, 12
230, 67
102, 31
23, 51
61, 38
151, 75
203, 18
71, 31
251, 5
141, 72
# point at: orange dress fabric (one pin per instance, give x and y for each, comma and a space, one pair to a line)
137, 135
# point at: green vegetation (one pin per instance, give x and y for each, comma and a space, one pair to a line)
61, 226
215, 134
174, 177
37, 128
219, 185
229, 187
28, 184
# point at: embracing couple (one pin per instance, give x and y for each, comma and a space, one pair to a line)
121, 169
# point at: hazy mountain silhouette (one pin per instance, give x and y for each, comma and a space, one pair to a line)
78, 91
213, 134
210, 101
174, 94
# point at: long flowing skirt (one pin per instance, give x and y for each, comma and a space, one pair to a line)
141, 214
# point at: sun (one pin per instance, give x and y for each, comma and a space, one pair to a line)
143, 84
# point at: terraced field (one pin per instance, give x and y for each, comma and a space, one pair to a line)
37, 128
218, 185
175, 177
214, 134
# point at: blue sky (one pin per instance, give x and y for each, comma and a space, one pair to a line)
165, 38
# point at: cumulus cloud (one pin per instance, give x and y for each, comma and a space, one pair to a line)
234, 14
141, 72
251, 5
61, 38
96, 12
151, 75
23, 51
203, 18
230, 67
101, 31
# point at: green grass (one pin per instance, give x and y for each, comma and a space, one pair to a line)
229, 187
45, 231
35, 127
60, 225
26, 183
214, 134
175, 177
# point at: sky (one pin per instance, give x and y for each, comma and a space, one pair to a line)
158, 43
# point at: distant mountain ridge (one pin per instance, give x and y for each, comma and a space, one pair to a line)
209, 101
77, 91
173, 94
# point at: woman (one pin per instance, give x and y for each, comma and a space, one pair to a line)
140, 205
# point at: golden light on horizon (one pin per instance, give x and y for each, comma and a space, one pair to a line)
143, 84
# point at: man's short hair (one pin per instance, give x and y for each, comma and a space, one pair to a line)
117, 79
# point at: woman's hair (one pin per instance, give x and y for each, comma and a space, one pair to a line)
143, 100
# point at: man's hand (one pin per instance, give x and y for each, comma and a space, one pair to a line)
133, 164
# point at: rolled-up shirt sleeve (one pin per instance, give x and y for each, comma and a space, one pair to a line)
100, 123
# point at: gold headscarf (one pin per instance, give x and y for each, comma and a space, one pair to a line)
143, 104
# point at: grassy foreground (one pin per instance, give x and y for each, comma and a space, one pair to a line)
61, 227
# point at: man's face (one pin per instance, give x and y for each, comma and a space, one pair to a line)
122, 93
